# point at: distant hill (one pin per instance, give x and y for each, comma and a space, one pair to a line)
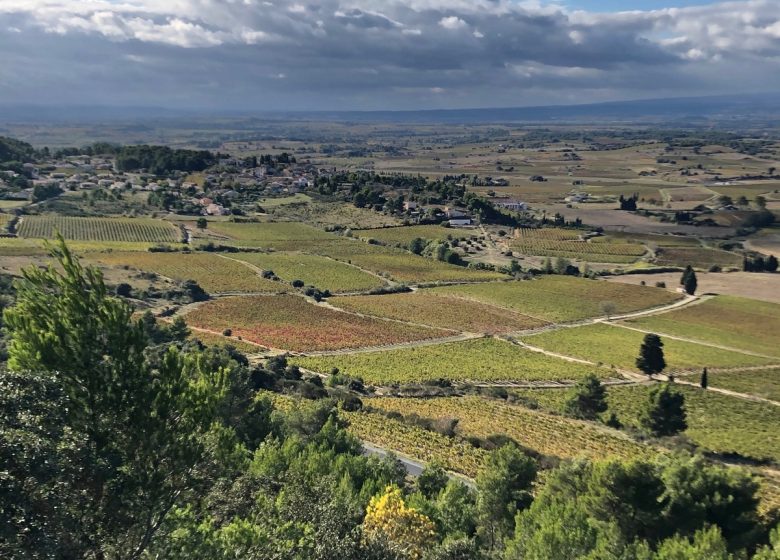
754, 107
15, 150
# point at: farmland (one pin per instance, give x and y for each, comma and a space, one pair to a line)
484, 359
697, 257
615, 346
215, 274
314, 270
283, 236
551, 242
441, 311
761, 383
545, 433
292, 323
563, 298
724, 320
99, 229
716, 422
404, 235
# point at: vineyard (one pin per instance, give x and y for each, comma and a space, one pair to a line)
563, 298
404, 266
215, 274
545, 433
292, 323
725, 320
551, 242
99, 229
440, 311
4, 219
455, 454
484, 359
404, 235
698, 257
762, 383
283, 236
314, 270
615, 346
210, 339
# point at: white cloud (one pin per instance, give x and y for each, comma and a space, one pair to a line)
452, 22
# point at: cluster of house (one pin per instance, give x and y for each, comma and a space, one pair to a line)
453, 216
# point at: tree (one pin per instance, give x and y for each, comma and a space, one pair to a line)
608, 308
456, 510
761, 201
432, 480
691, 283
405, 529
588, 399
504, 488
703, 381
706, 544
202, 223
771, 264
664, 412
687, 272
138, 430
651, 355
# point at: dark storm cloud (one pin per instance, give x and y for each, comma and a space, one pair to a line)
376, 54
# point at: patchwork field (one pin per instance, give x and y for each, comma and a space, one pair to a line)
563, 298
483, 359
210, 339
215, 274
548, 434
292, 323
697, 257
615, 346
314, 270
441, 311
99, 229
724, 320
283, 236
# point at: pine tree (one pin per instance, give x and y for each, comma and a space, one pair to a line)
688, 270
651, 355
588, 399
771, 264
664, 413
703, 381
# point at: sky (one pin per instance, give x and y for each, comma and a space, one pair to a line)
382, 54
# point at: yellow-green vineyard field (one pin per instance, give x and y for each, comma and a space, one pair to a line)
563, 298
441, 311
716, 422
314, 270
764, 383
99, 229
290, 322
548, 434
729, 321
283, 236
615, 346
214, 273
550, 242
483, 359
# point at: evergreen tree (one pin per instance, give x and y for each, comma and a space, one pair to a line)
588, 399
688, 270
703, 382
771, 264
691, 283
664, 412
651, 355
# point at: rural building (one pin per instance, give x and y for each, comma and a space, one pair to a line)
513, 205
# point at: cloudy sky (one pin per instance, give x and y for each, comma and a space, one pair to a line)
381, 54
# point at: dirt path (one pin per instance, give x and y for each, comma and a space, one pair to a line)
694, 341
401, 345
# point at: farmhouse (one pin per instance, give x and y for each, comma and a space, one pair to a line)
513, 205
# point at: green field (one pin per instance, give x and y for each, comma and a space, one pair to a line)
734, 322
406, 234
483, 359
553, 242
314, 270
283, 236
716, 422
99, 229
215, 274
441, 311
762, 383
615, 346
697, 257
563, 298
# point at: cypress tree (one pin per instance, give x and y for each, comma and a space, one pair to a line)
703, 381
691, 283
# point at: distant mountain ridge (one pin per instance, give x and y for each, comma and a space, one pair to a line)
748, 106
